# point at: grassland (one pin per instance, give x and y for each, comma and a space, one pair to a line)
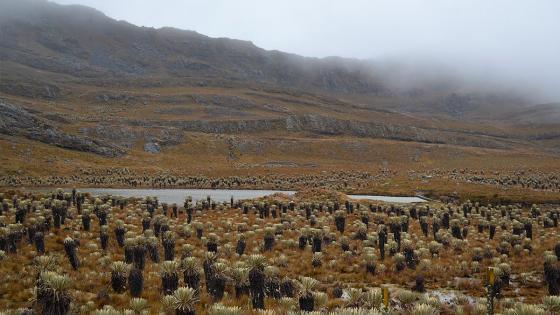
450, 265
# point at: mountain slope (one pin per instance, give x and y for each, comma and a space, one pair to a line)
85, 82
84, 43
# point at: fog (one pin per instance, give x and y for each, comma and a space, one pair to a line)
511, 43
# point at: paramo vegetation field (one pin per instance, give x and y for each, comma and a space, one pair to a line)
70, 252
89, 102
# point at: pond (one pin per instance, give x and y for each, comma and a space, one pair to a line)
388, 198
220, 195
178, 195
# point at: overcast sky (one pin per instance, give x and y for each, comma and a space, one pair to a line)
517, 38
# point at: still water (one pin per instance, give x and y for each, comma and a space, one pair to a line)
220, 195
388, 198
178, 195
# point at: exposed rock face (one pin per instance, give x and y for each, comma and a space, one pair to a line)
31, 90
16, 121
233, 126
332, 126
152, 147
166, 136
125, 136
318, 124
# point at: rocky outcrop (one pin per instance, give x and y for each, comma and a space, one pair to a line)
16, 121
125, 136
152, 147
29, 89
333, 126
230, 126
323, 125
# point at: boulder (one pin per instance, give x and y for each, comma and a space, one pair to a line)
152, 147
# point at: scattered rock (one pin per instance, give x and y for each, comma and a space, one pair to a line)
152, 147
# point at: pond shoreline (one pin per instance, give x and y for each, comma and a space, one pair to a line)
178, 195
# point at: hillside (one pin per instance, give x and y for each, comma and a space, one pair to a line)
84, 43
80, 90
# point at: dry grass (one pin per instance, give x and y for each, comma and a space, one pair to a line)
92, 279
390, 159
